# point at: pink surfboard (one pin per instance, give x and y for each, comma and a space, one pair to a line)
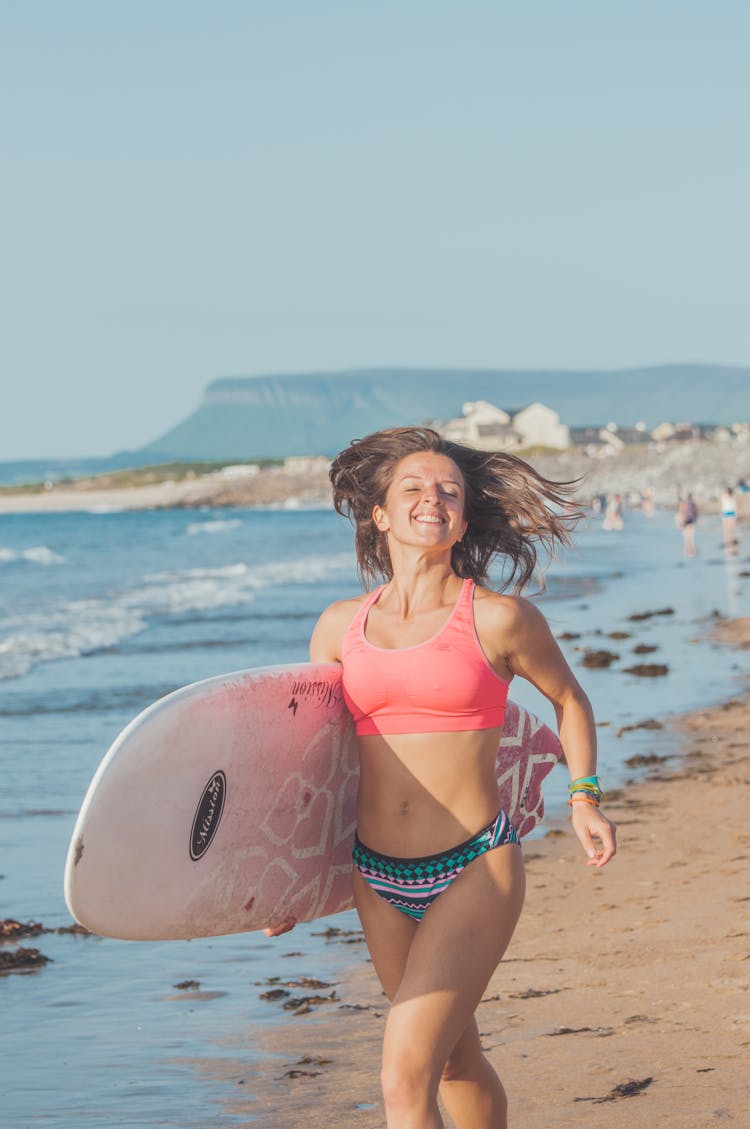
229, 805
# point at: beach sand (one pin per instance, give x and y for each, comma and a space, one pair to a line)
667, 472
277, 486
631, 979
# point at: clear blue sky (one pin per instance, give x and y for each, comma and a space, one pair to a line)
191, 190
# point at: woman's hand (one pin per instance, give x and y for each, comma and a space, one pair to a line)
590, 825
282, 927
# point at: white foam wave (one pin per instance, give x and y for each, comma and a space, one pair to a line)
72, 630
218, 526
80, 627
37, 554
204, 589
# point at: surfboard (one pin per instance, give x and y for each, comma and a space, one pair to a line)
229, 805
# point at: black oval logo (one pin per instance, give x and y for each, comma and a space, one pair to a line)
208, 816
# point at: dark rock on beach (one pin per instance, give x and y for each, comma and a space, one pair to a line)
647, 670
645, 760
598, 659
22, 960
629, 1089
637, 616
649, 723
12, 930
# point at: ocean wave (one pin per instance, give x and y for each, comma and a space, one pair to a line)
218, 526
81, 627
205, 589
77, 628
37, 554
78, 701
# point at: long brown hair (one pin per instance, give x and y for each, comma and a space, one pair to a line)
511, 510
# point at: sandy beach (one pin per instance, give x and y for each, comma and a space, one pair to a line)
623, 999
276, 486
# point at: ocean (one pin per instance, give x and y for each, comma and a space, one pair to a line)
102, 613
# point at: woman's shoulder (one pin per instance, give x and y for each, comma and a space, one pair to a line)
332, 625
343, 609
501, 611
500, 603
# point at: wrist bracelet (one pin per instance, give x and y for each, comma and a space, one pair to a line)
592, 782
580, 799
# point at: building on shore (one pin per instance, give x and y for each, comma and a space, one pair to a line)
491, 428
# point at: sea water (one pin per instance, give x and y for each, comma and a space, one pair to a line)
102, 613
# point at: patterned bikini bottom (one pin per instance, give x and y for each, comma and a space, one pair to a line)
412, 884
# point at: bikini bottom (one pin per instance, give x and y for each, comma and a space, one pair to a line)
413, 884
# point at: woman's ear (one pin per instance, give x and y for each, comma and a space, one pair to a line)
380, 519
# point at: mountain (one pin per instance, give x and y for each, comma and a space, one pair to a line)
319, 413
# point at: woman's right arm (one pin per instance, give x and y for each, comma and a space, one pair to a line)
325, 647
326, 639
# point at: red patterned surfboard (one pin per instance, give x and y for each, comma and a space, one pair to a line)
229, 805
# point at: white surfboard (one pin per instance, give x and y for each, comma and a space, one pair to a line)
229, 805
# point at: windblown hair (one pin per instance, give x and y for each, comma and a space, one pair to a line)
511, 510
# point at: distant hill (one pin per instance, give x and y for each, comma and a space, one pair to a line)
318, 413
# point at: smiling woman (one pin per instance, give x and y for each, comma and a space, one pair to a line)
427, 659
509, 508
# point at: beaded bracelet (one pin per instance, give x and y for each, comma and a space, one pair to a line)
592, 782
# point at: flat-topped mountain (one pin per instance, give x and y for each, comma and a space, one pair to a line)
318, 413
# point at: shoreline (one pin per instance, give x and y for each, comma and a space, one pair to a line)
623, 988
696, 465
276, 487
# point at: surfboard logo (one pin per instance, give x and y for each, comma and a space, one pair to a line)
208, 816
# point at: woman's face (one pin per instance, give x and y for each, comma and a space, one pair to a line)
425, 501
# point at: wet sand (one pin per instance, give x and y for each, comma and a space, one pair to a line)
623, 999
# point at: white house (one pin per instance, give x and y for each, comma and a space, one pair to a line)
538, 426
481, 425
489, 428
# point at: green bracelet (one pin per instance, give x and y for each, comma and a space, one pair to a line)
592, 781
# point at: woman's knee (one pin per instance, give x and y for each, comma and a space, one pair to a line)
461, 1065
405, 1085
467, 1065
466, 1062
409, 1080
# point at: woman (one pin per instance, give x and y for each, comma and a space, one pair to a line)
427, 659
729, 518
687, 516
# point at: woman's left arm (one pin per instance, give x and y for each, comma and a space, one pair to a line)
534, 655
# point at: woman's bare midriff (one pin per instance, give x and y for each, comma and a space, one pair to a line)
421, 793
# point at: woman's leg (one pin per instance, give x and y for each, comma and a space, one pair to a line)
435, 974
471, 1090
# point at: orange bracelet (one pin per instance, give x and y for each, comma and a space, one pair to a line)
577, 799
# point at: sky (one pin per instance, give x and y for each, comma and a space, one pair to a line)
193, 190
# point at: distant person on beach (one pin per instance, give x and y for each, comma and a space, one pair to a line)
427, 660
728, 506
687, 516
613, 513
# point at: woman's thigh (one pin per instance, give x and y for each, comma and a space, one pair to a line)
389, 934
453, 953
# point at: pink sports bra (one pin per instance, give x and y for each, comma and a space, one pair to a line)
446, 684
